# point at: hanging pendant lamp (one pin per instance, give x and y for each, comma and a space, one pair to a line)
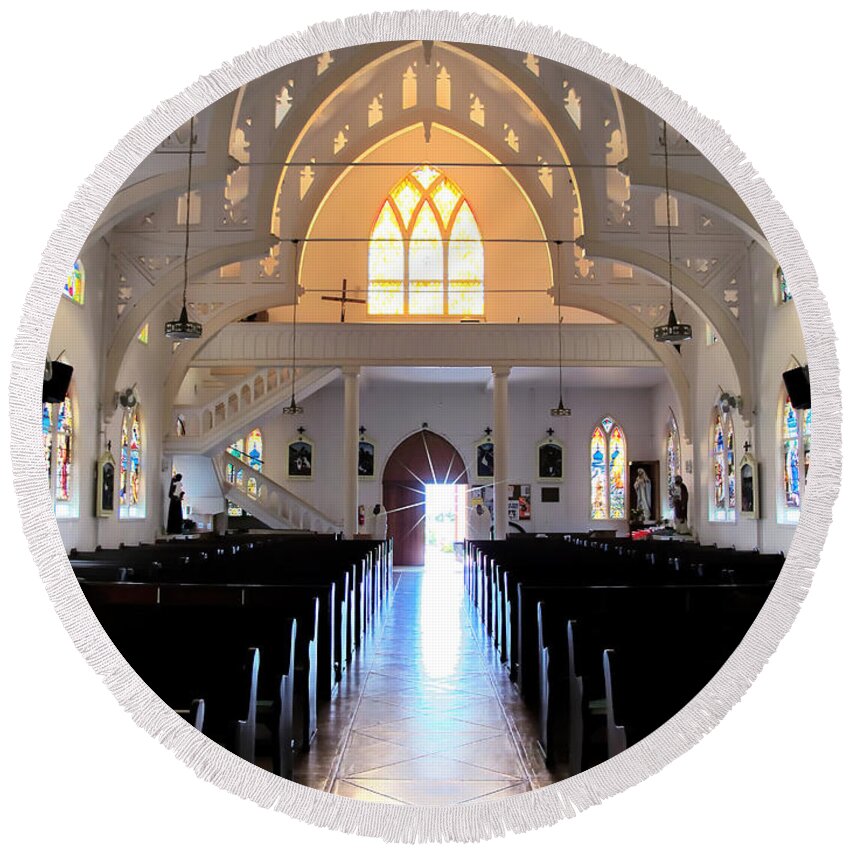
292, 409
560, 410
674, 331
183, 328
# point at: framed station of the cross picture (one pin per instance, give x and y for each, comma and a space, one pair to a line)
426, 224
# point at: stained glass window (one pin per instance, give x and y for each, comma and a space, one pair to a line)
234, 510
144, 334
254, 451
237, 449
130, 483
426, 256
791, 437
608, 471
64, 450
672, 450
75, 285
253, 488
230, 472
783, 293
47, 435
617, 474
723, 489
598, 488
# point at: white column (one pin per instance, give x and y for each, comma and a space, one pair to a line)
351, 441
501, 437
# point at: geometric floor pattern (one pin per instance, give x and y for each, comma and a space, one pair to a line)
427, 726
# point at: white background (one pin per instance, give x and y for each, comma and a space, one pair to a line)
77, 770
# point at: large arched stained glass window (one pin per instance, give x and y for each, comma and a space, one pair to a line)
673, 463
131, 502
75, 285
792, 434
64, 450
608, 471
723, 492
237, 449
426, 257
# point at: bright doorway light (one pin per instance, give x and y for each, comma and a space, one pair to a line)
445, 522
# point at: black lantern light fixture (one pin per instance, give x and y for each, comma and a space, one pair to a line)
674, 331
560, 410
293, 409
183, 329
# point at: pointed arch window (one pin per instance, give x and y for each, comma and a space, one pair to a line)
426, 257
58, 432
783, 292
673, 462
75, 285
608, 471
723, 489
254, 450
64, 450
130, 494
47, 436
796, 438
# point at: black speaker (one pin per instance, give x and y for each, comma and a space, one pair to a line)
56, 381
799, 390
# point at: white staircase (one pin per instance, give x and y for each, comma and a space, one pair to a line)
267, 500
211, 427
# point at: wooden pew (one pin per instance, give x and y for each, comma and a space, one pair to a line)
653, 676
189, 660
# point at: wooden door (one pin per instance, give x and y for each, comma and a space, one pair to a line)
423, 458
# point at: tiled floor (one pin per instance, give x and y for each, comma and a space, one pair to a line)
425, 717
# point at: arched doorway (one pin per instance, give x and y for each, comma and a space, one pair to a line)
423, 458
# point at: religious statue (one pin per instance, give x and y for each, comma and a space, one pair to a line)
479, 523
175, 505
680, 505
380, 514
643, 494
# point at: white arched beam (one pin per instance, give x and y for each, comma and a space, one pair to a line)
171, 282
720, 319
217, 164
717, 197
305, 111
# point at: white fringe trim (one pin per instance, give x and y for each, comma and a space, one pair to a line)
471, 821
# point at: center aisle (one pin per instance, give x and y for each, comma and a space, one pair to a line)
428, 725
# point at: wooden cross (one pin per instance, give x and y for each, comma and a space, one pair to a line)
343, 300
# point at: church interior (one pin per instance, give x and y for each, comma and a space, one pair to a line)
454, 381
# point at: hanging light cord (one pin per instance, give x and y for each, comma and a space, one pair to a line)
560, 327
669, 229
294, 314
188, 210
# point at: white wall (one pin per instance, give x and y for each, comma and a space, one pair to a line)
777, 336
78, 329
460, 412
